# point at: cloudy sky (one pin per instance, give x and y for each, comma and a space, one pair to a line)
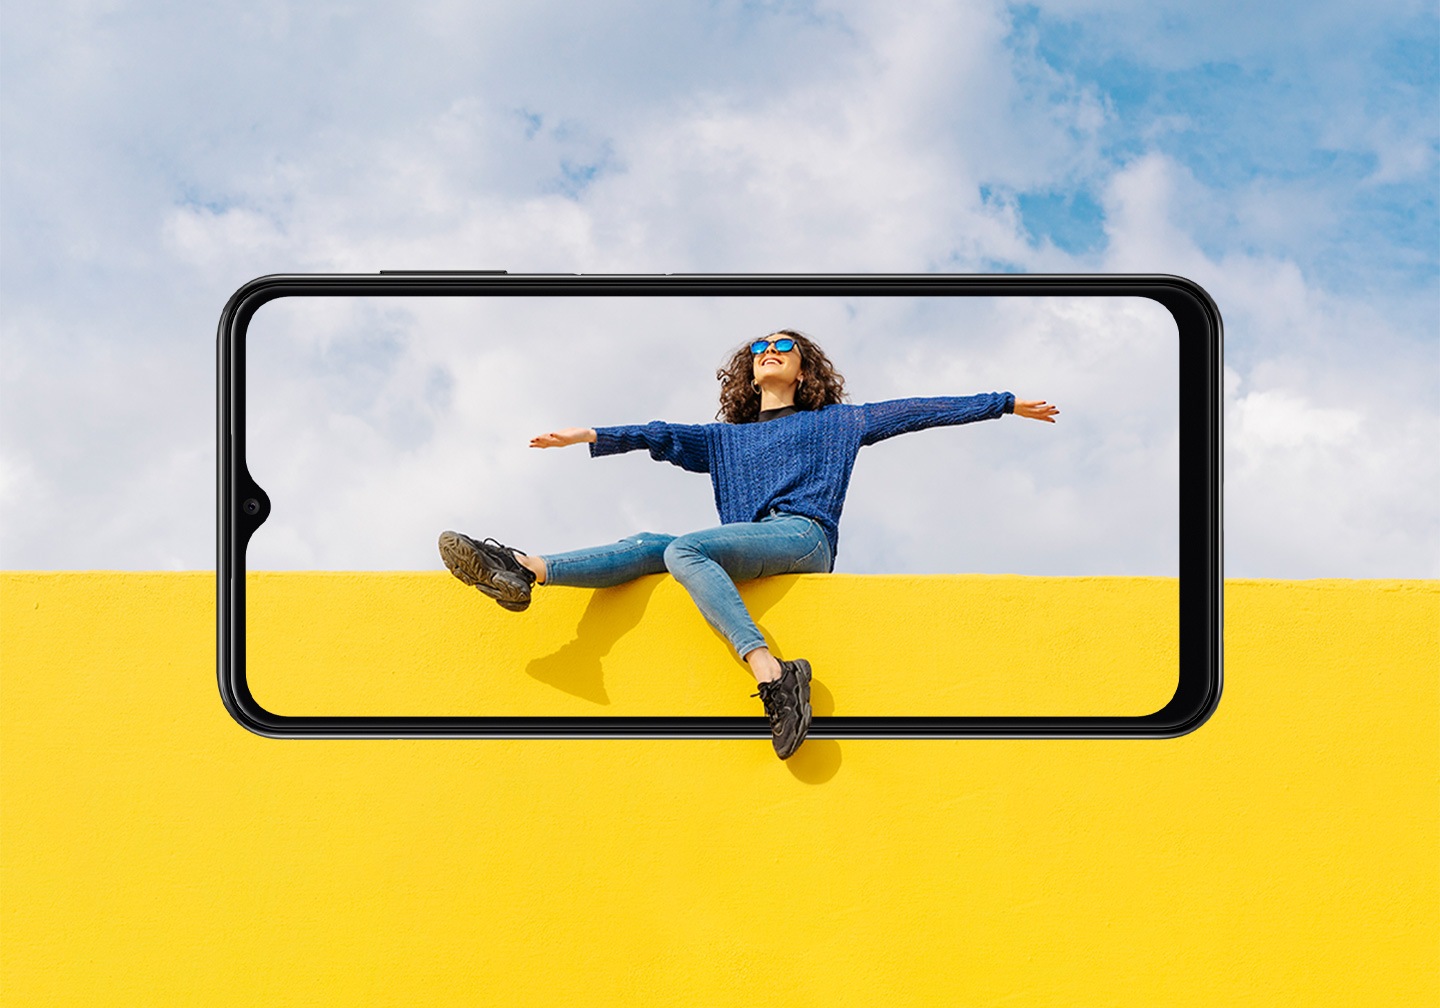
155, 157
377, 422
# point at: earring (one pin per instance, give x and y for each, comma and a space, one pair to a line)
755, 386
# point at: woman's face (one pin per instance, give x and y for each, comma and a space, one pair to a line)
776, 368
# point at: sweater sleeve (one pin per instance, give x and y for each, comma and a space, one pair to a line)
901, 416
684, 445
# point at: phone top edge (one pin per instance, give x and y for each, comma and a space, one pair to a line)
1168, 277
274, 284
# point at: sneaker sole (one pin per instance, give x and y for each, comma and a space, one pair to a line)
466, 563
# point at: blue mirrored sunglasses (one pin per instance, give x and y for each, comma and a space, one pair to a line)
783, 345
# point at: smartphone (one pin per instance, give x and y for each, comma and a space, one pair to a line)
1065, 577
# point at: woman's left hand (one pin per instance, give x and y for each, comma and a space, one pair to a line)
561, 438
1036, 410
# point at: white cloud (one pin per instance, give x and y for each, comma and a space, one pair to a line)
201, 237
1280, 419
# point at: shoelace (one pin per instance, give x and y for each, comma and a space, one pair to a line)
774, 701
507, 554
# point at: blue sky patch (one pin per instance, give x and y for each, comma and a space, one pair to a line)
1071, 221
1237, 115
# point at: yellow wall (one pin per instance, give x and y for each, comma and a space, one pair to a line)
156, 853
424, 644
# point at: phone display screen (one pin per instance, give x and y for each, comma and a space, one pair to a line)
1039, 563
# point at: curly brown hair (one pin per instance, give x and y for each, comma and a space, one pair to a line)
821, 384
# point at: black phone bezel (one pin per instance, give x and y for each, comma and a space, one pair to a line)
1199, 329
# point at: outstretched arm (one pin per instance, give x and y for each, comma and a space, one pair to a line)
900, 416
683, 445
1036, 409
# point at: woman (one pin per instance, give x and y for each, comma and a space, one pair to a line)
780, 465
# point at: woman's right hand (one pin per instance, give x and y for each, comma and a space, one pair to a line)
561, 438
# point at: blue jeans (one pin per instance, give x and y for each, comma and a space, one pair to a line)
707, 563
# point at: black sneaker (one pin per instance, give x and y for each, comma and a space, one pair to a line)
787, 704
490, 567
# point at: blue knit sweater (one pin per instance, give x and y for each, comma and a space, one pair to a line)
799, 464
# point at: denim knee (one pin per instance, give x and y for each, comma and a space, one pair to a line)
680, 552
